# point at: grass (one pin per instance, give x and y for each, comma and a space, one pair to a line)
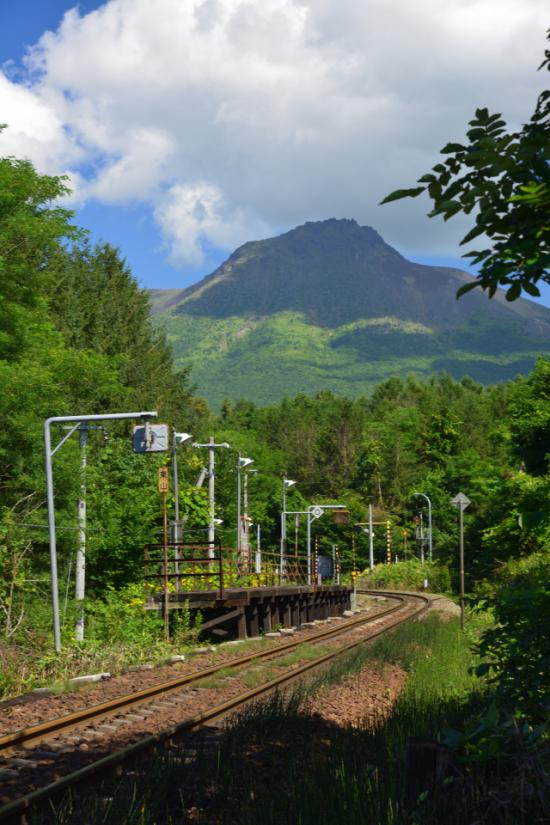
303, 653
258, 673
217, 679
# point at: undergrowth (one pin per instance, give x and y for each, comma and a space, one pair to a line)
118, 633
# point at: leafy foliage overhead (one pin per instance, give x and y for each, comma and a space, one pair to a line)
503, 178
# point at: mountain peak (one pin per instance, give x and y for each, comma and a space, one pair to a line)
330, 305
336, 228
335, 272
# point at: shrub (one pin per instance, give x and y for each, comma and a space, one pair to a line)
408, 575
517, 648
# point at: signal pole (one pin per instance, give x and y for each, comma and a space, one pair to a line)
461, 502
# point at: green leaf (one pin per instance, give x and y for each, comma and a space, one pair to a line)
482, 115
452, 147
514, 292
467, 288
452, 210
531, 289
403, 193
473, 233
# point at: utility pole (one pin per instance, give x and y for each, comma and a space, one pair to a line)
212, 447
80, 568
241, 463
287, 484
245, 519
258, 559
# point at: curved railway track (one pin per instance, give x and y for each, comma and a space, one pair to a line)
24, 759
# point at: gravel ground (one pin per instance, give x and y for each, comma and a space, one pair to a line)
361, 698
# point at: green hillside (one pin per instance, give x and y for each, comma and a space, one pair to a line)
330, 305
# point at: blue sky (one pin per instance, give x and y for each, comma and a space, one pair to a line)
190, 127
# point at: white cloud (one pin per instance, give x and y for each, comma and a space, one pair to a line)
269, 112
35, 130
187, 215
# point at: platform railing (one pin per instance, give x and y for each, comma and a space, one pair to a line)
173, 570
170, 570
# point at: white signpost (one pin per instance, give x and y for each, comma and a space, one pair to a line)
461, 502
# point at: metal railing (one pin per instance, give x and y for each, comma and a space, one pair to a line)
173, 570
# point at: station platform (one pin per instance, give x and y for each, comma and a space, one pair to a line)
249, 611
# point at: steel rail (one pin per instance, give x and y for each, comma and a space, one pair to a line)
18, 807
45, 730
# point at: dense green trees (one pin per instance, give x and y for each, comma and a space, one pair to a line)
75, 337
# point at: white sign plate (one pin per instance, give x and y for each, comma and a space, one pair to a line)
157, 438
461, 501
317, 512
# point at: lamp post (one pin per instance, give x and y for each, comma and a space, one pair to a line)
177, 438
77, 420
212, 447
241, 463
246, 521
430, 545
287, 484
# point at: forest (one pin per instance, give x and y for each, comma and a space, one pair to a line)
76, 338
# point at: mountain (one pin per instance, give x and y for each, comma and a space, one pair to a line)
330, 305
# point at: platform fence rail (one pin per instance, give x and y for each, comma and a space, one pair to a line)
177, 568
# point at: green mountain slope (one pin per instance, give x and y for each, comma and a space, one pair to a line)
330, 305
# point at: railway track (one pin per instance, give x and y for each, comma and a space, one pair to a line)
39, 762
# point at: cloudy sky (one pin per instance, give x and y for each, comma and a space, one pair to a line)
190, 126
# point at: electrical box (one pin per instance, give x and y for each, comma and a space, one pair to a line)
151, 438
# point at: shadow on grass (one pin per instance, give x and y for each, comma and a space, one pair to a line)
276, 763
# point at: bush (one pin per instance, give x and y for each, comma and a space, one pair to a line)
408, 575
517, 648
